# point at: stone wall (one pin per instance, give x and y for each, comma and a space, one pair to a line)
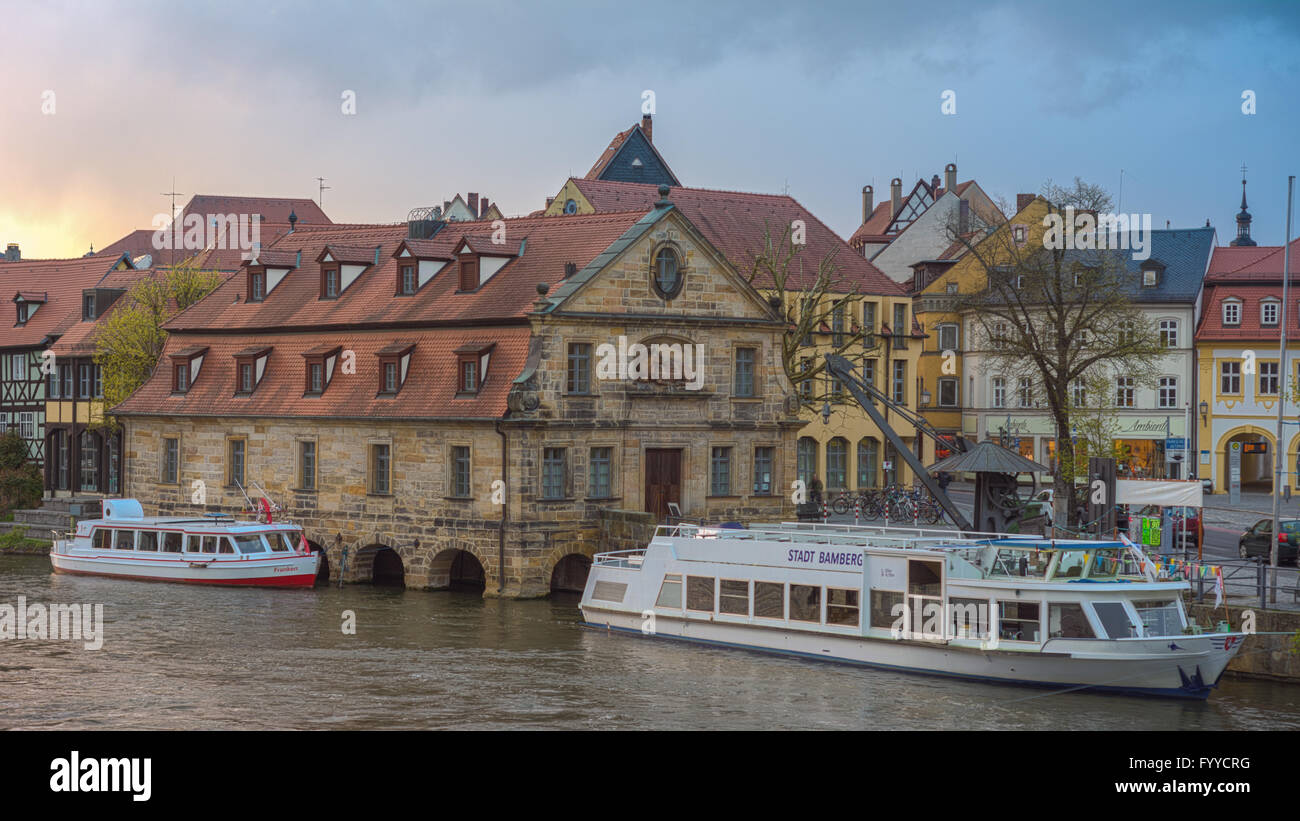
1268, 657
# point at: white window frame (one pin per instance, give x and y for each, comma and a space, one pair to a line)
1233, 307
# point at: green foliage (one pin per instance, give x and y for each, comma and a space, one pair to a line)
16, 540
131, 338
20, 481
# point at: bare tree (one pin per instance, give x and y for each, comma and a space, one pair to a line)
1057, 315
822, 310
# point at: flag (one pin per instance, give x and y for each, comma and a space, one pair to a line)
1218, 589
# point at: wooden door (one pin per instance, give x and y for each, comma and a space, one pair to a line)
663, 480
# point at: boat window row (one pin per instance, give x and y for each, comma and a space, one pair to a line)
760, 599
175, 541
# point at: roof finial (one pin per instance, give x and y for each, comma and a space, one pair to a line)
1243, 218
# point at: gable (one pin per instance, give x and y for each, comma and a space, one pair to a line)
636, 160
570, 191
621, 281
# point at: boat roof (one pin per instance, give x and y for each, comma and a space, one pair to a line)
216, 524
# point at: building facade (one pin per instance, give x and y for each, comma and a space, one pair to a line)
442, 403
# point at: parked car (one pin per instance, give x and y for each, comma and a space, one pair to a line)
1182, 520
1258, 541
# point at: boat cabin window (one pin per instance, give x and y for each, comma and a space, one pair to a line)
805, 603
209, 544
225, 545
124, 539
171, 542
1160, 618
1070, 565
1018, 620
148, 540
103, 538
769, 600
281, 541
249, 544
1115, 619
884, 606
1026, 563
670, 594
842, 606
1068, 621
969, 618
733, 597
924, 578
699, 593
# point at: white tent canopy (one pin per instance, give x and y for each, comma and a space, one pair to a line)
1143, 492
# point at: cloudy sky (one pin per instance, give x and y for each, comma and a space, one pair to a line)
509, 98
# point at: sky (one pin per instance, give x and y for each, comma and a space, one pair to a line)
105, 104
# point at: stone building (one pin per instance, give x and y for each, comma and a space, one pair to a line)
460, 402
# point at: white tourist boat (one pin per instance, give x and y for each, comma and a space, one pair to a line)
1067, 614
213, 549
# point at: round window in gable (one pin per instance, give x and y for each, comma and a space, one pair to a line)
667, 272
570, 206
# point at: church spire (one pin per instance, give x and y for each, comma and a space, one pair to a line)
1243, 218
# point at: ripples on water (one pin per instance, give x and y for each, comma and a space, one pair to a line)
185, 657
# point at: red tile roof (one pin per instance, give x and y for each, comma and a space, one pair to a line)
79, 336
429, 392
873, 230
1249, 274
141, 242
62, 281
370, 301
609, 153
735, 222
272, 209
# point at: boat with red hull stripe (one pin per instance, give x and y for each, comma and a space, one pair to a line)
212, 549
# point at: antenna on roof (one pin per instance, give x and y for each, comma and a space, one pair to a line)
320, 195
171, 245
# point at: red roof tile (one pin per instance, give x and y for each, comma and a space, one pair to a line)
1249, 274
736, 222
62, 281
609, 153
370, 301
272, 209
429, 392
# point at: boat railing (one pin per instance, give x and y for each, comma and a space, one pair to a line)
837, 535
628, 559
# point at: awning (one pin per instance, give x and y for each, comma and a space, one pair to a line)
1143, 492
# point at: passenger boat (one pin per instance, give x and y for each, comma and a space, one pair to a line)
1025, 610
212, 549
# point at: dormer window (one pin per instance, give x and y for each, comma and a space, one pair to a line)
27, 304
394, 364
468, 272
1269, 312
88, 306
185, 368
319, 369
1232, 312
1149, 278
250, 366
256, 286
329, 288
472, 366
406, 279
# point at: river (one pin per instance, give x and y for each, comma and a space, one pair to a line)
184, 657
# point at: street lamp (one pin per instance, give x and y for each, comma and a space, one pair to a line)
826, 413
1205, 410
925, 399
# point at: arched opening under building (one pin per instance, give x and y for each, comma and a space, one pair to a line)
323, 569
388, 570
570, 574
457, 570
1256, 462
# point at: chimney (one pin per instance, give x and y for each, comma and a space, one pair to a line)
950, 176
471, 199
549, 200
570, 268
963, 216
1023, 200
12, 254
868, 202
895, 196
647, 128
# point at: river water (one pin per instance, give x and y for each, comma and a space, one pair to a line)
185, 657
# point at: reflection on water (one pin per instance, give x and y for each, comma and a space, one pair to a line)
182, 657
